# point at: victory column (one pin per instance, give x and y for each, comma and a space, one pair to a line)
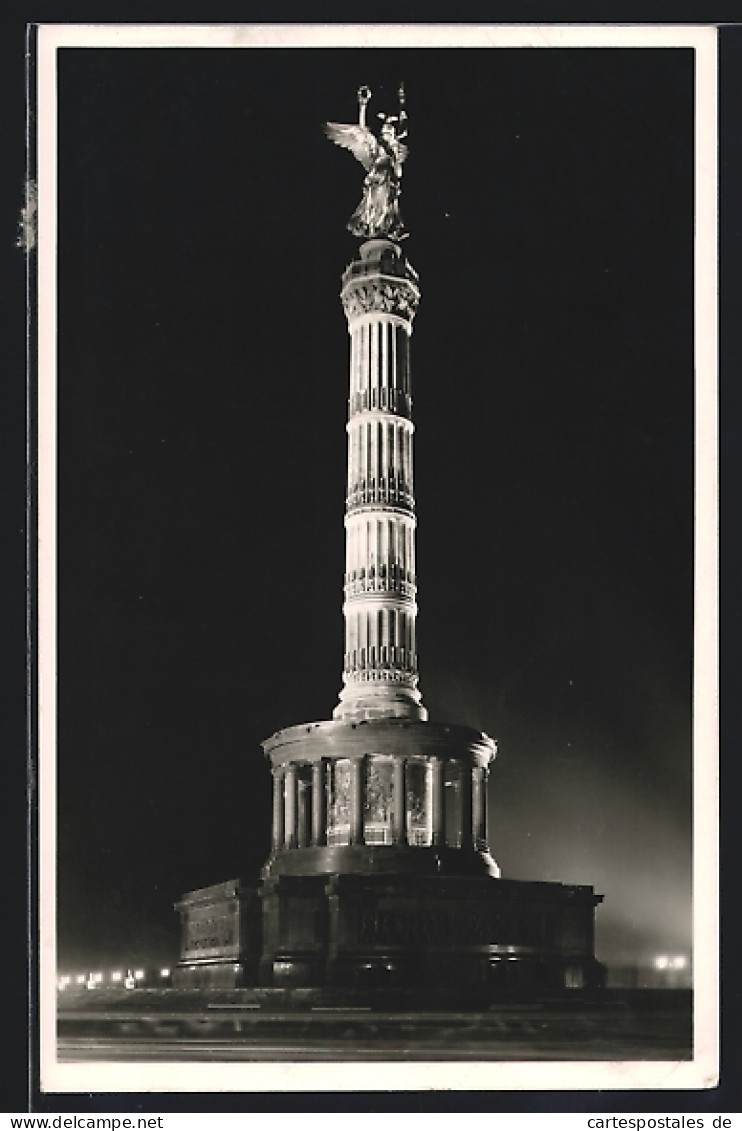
380, 874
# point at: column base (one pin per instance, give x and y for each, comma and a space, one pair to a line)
372, 932
388, 859
379, 700
386, 932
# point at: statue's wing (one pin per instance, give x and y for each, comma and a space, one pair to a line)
359, 140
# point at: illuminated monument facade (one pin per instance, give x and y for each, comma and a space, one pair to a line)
380, 872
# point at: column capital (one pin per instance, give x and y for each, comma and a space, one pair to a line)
380, 281
396, 297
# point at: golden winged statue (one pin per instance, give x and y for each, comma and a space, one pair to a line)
378, 211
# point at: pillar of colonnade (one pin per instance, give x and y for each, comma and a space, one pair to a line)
300, 803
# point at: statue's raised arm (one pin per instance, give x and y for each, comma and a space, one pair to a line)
378, 214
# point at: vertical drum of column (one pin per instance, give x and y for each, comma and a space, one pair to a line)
290, 807
399, 810
356, 800
380, 296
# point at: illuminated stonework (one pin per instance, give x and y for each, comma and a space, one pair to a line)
387, 783
380, 295
380, 875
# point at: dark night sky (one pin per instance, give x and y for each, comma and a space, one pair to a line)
202, 384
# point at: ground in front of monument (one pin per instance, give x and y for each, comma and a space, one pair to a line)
319, 1025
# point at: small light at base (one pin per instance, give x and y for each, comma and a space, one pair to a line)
679, 962
662, 962
116, 976
139, 975
165, 973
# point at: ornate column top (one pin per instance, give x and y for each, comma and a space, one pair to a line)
383, 296
380, 280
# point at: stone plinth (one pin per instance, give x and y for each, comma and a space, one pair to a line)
221, 936
381, 931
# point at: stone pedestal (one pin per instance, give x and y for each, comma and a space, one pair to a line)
378, 931
221, 937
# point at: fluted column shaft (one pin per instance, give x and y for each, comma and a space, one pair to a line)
438, 802
380, 296
465, 806
357, 767
303, 796
399, 803
486, 800
290, 807
277, 829
319, 804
